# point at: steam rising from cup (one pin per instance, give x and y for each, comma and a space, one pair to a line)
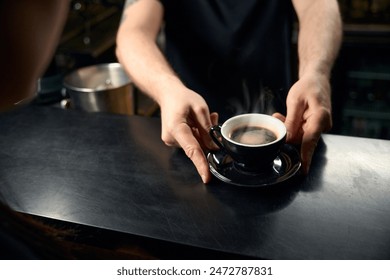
254, 100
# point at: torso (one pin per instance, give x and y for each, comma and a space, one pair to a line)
234, 53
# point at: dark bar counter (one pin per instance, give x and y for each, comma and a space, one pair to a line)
113, 173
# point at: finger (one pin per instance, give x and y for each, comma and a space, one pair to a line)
185, 138
214, 118
202, 121
168, 139
293, 121
279, 116
309, 143
198, 137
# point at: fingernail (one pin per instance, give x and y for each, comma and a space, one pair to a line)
204, 179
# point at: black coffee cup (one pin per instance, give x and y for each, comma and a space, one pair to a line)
252, 140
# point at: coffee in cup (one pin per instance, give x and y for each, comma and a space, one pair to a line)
252, 135
252, 140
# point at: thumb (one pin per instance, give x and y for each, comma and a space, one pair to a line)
214, 118
279, 116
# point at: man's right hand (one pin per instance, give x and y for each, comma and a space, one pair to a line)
186, 122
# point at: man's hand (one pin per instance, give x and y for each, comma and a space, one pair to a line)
308, 114
186, 122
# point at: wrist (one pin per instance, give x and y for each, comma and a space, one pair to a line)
165, 87
322, 70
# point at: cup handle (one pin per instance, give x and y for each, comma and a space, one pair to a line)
215, 133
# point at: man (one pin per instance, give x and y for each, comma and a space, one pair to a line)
225, 55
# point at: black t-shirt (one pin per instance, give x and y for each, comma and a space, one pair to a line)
234, 53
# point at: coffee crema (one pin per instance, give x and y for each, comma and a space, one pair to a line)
252, 135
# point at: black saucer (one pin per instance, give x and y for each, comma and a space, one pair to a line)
285, 166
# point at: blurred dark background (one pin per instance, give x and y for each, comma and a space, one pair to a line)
361, 76
361, 79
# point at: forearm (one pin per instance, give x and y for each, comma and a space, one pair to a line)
320, 33
140, 55
145, 64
